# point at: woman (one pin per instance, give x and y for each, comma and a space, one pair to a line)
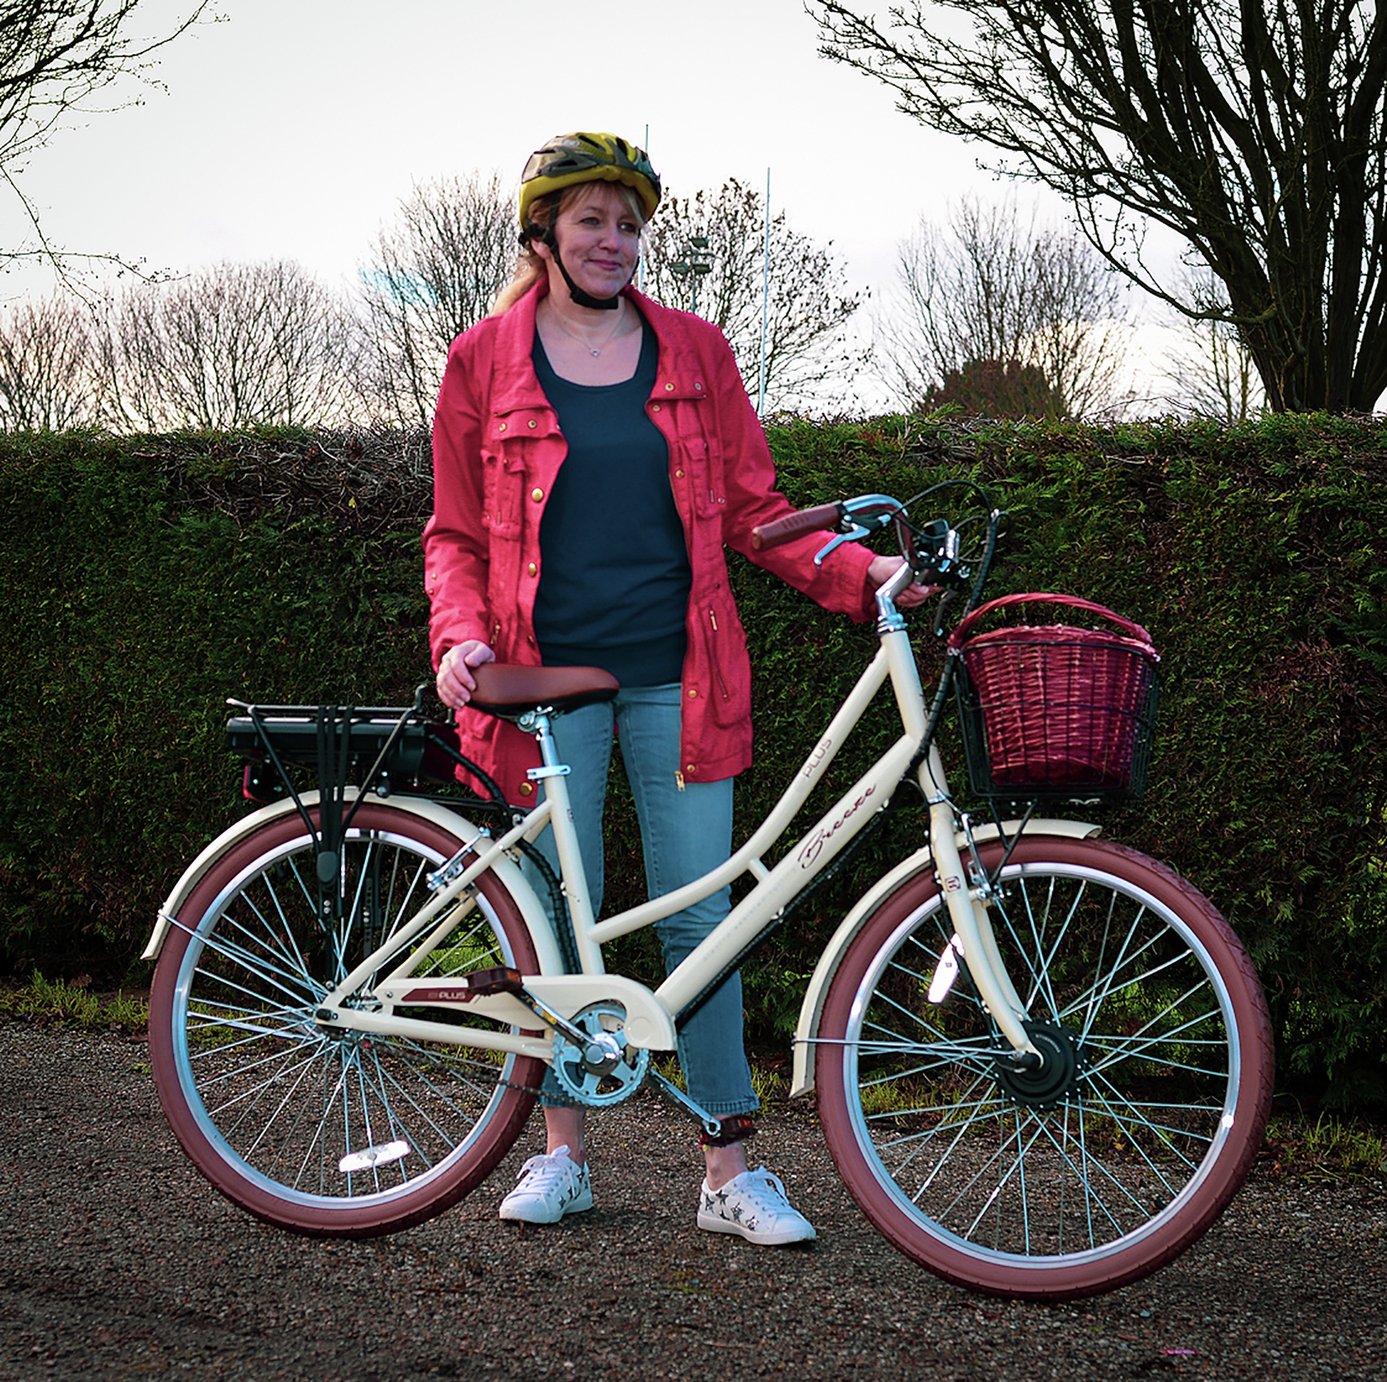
593, 453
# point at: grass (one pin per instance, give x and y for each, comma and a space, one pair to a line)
59, 1003
1327, 1148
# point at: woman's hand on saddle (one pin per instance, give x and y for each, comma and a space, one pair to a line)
455, 680
883, 568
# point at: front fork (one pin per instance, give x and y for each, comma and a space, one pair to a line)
967, 901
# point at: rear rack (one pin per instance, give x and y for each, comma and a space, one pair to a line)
380, 749
333, 748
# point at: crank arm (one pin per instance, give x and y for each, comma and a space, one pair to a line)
712, 1126
490, 981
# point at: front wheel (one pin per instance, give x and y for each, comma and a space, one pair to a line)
316, 1129
1115, 1155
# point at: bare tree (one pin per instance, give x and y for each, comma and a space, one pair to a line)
1256, 132
47, 377
55, 56
1212, 372
708, 252
230, 346
983, 287
433, 272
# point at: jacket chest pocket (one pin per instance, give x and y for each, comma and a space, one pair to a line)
706, 487
503, 482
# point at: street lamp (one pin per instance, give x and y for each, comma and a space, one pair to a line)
696, 262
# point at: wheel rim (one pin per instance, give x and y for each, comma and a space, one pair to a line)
1133, 1110
317, 1118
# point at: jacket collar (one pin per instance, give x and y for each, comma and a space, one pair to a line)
516, 387
514, 384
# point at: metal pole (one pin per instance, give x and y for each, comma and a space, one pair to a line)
640, 263
765, 301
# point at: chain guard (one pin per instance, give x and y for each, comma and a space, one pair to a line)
609, 1070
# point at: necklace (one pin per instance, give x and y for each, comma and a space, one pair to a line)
594, 351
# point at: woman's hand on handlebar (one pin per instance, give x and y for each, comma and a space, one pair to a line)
883, 568
455, 680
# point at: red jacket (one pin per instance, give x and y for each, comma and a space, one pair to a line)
496, 450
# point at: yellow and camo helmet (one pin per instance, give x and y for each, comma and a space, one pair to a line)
568, 159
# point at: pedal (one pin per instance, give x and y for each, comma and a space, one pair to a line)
483, 983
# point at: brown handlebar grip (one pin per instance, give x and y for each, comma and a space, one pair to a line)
821, 518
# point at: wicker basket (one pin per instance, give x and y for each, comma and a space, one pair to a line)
1056, 710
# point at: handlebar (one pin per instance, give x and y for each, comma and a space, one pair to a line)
821, 518
953, 554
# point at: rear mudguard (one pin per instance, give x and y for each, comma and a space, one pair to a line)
509, 873
807, 1029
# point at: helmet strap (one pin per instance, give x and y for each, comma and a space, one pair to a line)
583, 299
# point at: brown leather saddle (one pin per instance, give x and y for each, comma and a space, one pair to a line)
508, 689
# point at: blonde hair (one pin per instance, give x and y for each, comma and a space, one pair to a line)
544, 215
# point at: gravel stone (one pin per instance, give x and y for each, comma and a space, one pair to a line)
120, 1262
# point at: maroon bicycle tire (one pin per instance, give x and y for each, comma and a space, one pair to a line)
268, 1105
1000, 1181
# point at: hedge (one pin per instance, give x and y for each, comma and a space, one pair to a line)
148, 578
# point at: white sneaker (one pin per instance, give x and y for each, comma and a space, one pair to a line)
753, 1205
549, 1187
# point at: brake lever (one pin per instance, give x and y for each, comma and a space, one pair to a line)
854, 534
854, 529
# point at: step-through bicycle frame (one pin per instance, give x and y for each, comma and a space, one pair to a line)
366, 999
1047, 1173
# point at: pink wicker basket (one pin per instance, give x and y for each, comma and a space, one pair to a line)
1056, 710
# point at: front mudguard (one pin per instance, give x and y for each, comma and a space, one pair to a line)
811, 1011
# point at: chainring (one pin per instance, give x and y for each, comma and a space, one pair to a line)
608, 1070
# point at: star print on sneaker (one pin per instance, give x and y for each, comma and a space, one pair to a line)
549, 1187
753, 1205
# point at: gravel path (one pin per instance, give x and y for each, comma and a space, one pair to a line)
119, 1262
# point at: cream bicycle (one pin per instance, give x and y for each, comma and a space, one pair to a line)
1042, 1060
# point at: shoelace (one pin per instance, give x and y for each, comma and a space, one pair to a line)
766, 1191
547, 1171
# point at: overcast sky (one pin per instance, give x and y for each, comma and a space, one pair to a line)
294, 128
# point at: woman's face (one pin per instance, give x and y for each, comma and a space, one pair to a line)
599, 239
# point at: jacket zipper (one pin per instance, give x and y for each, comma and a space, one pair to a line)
717, 666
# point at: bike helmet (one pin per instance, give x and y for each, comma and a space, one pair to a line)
568, 159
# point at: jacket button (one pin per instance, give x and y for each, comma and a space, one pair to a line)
532, 424
669, 388
536, 494
532, 568
690, 769
527, 789
501, 427
678, 474
654, 407
693, 692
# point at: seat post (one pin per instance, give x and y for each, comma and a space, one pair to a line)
552, 777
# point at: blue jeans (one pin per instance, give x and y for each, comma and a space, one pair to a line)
685, 832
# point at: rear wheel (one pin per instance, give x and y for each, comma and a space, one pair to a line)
1122, 1148
317, 1129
